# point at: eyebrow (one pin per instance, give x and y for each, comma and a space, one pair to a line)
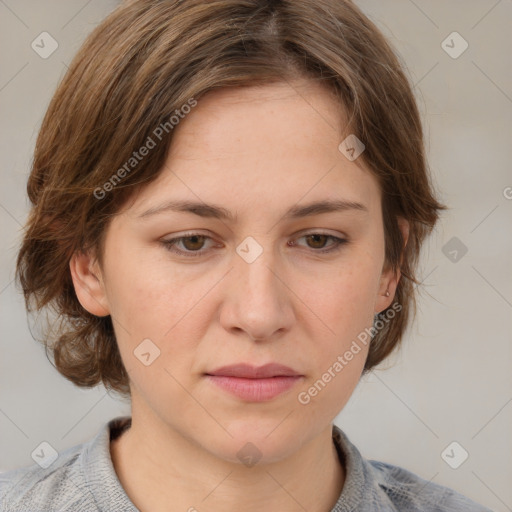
218, 212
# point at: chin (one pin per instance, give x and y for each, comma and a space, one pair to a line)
265, 441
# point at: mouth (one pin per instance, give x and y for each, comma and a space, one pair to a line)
255, 384
248, 371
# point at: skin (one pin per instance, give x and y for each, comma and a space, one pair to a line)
255, 151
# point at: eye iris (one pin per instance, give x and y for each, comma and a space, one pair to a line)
194, 239
316, 237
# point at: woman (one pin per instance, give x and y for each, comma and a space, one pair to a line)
229, 201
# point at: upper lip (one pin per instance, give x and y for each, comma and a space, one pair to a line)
255, 372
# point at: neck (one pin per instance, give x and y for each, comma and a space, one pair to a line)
168, 468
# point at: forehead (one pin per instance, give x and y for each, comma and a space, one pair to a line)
244, 119
256, 146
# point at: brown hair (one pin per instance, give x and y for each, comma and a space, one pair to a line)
145, 62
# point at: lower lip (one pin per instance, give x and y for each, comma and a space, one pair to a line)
255, 390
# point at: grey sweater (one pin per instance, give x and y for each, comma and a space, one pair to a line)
83, 479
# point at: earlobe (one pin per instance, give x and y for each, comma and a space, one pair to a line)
88, 284
387, 287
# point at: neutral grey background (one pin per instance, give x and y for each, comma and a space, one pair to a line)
452, 379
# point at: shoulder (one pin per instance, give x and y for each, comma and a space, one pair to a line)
383, 487
32, 488
81, 479
408, 491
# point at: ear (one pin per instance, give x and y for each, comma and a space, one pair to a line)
88, 283
389, 279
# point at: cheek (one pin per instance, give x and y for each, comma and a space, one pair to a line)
344, 297
155, 300
145, 290
340, 343
342, 302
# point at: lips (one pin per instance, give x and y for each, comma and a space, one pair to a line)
254, 384
247, 371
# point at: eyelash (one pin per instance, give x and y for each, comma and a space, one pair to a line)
170, 244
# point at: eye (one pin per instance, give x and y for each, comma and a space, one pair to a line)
319, 239
193, 243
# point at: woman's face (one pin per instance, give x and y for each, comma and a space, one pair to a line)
260, 279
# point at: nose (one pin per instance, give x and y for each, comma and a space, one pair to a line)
258, 299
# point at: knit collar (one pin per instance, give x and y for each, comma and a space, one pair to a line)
102, 481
